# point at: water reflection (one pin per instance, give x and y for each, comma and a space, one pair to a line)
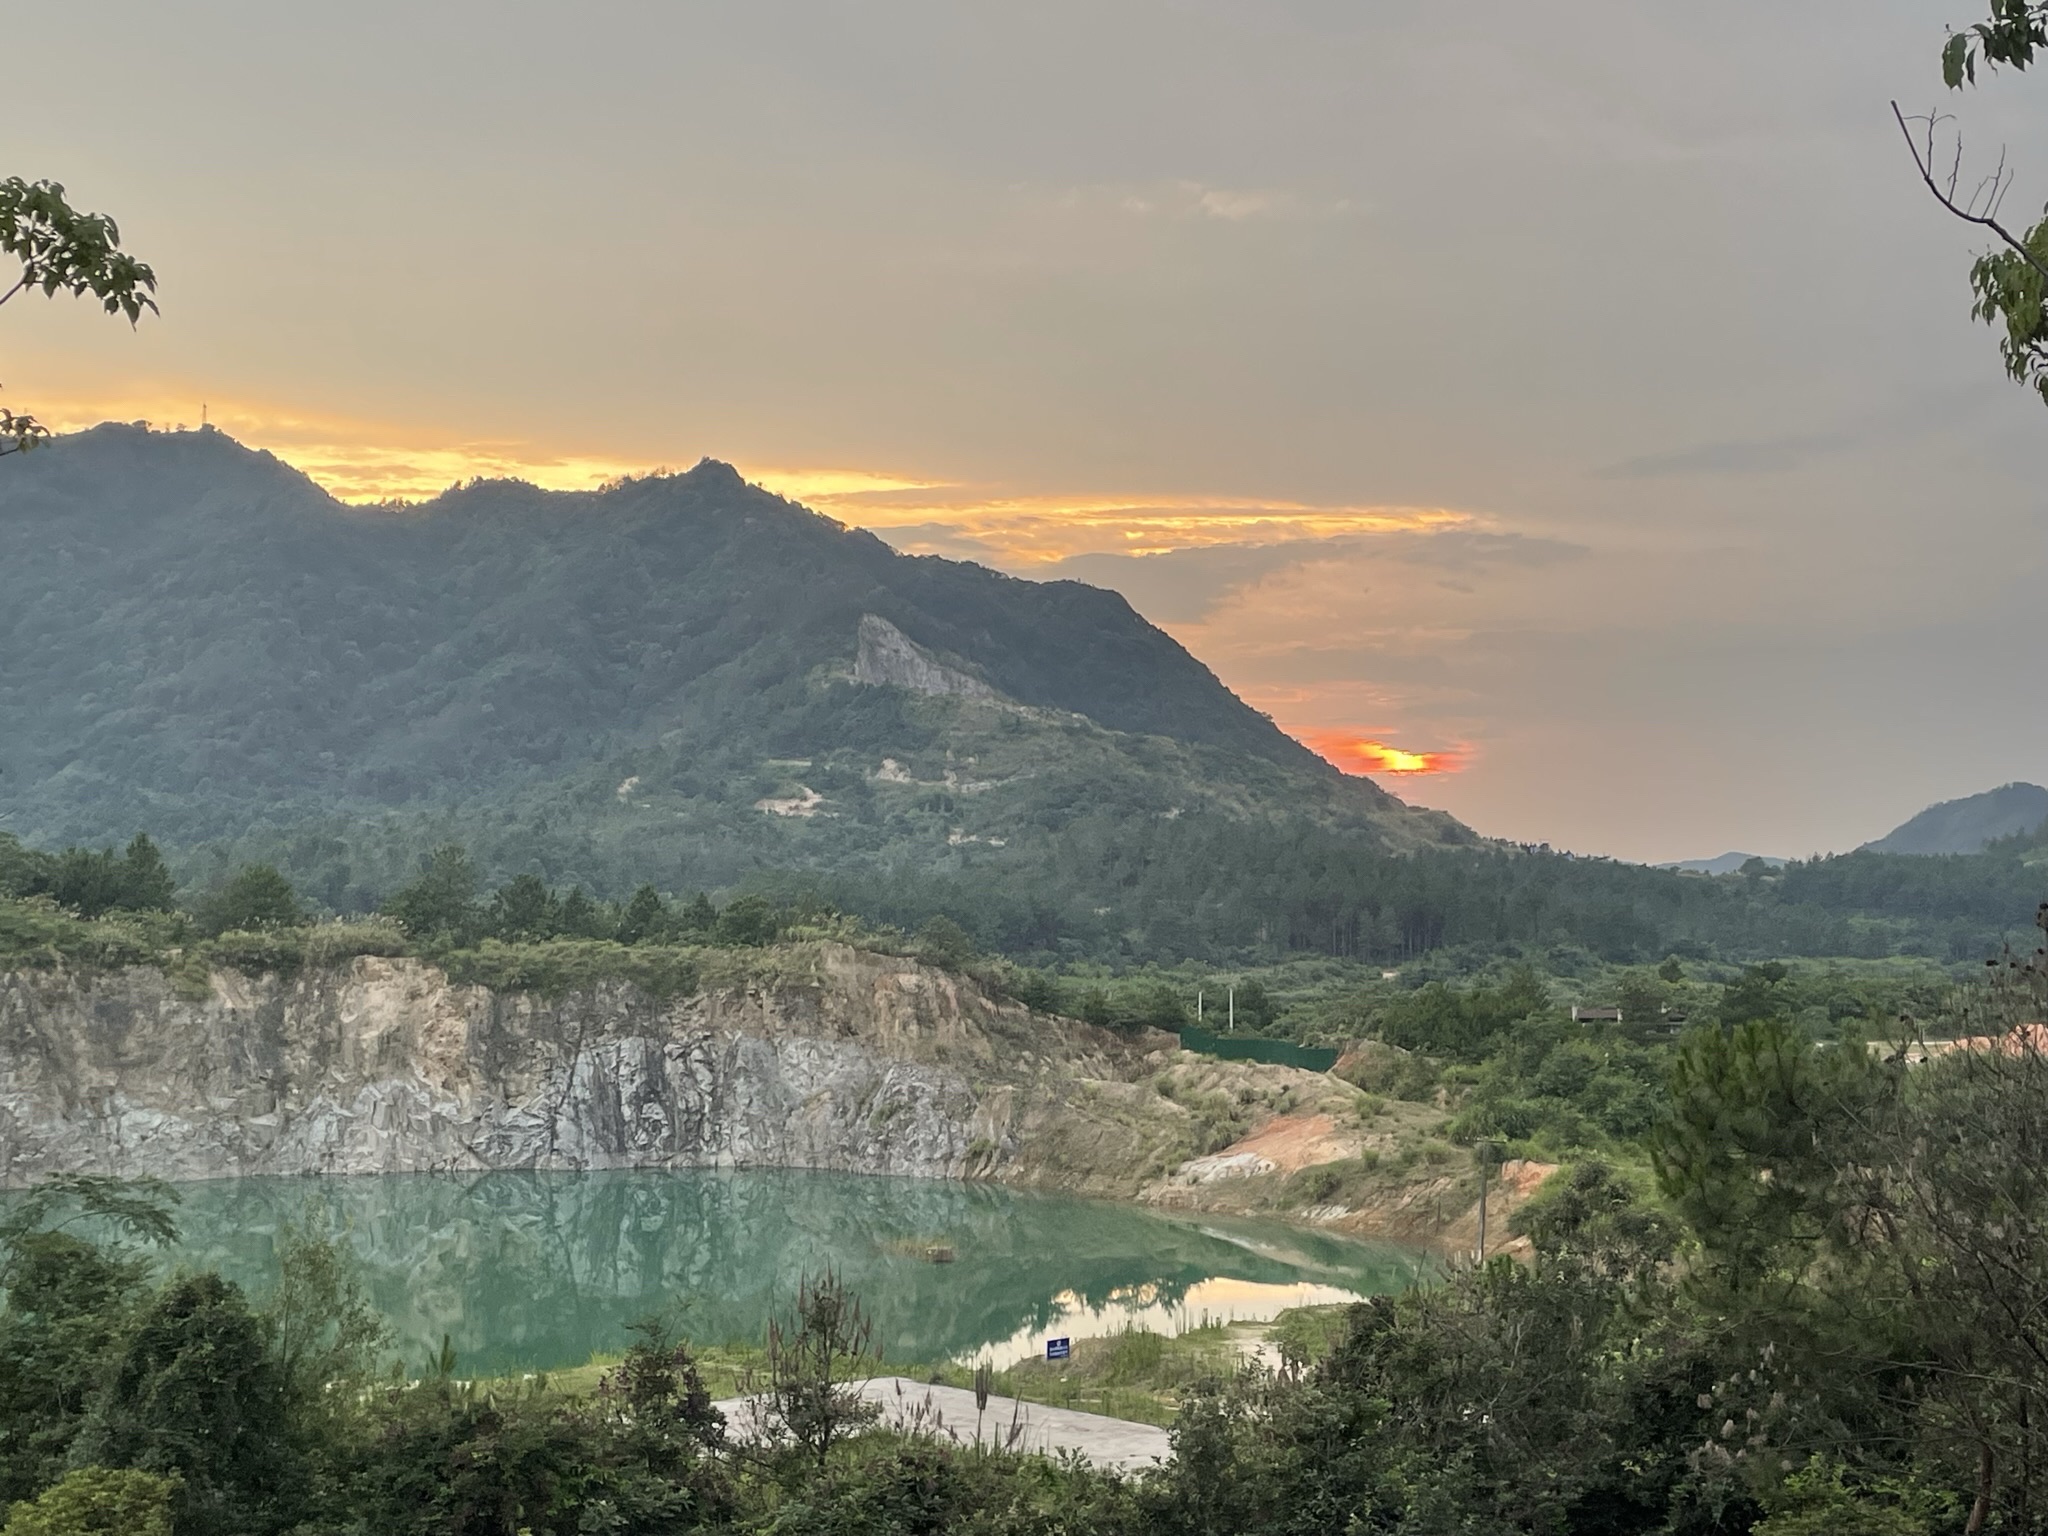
535, 1271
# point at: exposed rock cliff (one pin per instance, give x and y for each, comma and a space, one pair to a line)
816, 1056
887, 657
805, 1056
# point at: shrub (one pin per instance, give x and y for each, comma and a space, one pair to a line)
333, 943
749, 922
36, 933
1135, 1354
90, 1500
259, 954
558, 967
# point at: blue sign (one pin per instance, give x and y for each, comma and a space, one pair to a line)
1059, 1349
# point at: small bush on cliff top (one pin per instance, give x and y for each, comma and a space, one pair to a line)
333, 943
261, 953
556, 967
36, 933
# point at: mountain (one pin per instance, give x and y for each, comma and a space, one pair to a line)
680, 678
1969, 824
1724, 864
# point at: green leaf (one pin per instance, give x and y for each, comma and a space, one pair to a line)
1955, 58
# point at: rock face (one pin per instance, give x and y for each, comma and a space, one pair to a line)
820, 1057
888, 657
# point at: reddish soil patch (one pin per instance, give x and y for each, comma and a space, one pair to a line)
1294, 1142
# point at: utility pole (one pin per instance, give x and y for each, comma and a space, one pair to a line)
1486, 1150
1482, 1210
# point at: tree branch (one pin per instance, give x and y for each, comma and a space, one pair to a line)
1924, 165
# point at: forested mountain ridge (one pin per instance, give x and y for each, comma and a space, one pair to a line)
679, 678
1968, 825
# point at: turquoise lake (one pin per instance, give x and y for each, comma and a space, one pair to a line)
538, 1271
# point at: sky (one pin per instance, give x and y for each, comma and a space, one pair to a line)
1578, 400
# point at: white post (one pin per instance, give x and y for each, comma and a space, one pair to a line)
1482, 1205
1233, 1008
1198, 1007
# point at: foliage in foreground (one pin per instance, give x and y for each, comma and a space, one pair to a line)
1826, 1316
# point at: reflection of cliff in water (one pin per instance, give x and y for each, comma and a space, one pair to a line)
540, 1270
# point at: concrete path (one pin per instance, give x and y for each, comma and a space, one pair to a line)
948, 1413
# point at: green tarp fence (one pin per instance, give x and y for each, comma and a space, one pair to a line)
1275, 1053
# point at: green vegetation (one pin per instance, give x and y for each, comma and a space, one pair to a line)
1133, 1374
605, 682
64, 251
1811, 1302
652, 689
2010, 284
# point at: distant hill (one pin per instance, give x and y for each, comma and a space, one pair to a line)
1725, 864
682, 678
1967, 825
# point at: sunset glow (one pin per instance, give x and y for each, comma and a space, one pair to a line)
1363, 755
1041, 529
353, 460
364, 461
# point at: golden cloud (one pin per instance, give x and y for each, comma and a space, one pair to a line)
1039, 529
356, 461
366, 461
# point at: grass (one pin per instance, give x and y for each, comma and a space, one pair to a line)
726, 1369
1134, 1374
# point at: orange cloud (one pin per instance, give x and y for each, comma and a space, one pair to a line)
355, 460
1356, 754
359, 460
1038, 529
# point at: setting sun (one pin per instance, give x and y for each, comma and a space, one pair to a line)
1356, 754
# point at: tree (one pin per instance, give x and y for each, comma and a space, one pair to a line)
2011, 285
646, 917
1757, 994
61, 249
91, 881
1640, 996
323, 1331
196, 1393
68, 1301
817, 1359
92, 1500
255, 899
524, 909
658, 1395
1739, 1152
1876, 1234
582, 918
440, 902
748, 921
700, 917
147, 885
944, 943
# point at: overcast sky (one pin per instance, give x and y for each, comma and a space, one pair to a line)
1585, 388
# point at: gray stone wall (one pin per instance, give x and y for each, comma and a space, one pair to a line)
852, 1062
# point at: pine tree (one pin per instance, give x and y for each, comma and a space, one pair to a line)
146, 882
646, 917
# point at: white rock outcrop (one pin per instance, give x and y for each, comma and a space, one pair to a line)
884, 655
